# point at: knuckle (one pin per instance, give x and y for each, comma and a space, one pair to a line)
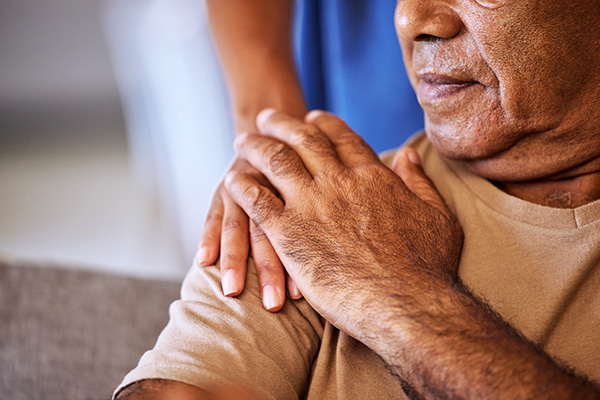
257, 235
209, 236
230, 224
260, 204
313, 140
280, 159
353, 140
262, 201
268, 271
232, 261
305, 133
254, 195
266, 267
276, 153
213, 217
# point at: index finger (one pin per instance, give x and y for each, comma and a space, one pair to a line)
352, 150
313, 146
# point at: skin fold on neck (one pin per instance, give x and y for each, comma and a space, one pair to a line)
558, 192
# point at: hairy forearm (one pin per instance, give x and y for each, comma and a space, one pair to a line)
377, 255
452, 345
255, 45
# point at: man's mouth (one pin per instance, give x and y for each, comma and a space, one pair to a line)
435, 87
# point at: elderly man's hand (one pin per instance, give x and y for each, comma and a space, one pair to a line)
376, 254
352, 234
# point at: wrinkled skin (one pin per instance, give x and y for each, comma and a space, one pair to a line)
345, 222
529, 122
509, 87
376, 254
532, 112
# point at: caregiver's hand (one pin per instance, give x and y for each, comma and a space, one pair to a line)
246, 31
358, 240
228, 233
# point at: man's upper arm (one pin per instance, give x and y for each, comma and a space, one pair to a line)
218, 343
151, 389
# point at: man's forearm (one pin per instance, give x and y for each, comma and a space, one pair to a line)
254, 41
377, 255
452, 345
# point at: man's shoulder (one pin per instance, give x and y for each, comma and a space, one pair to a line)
418, 141
204, 285
438, 169
214, 341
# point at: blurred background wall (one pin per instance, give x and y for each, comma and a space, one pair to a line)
54, 69
83, 182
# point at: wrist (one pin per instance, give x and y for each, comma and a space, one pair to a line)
408, 313
245, 112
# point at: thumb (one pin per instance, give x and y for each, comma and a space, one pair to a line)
407, 165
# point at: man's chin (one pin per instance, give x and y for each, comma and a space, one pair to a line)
460, 145
490, 160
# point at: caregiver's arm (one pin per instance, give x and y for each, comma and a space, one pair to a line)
255, 44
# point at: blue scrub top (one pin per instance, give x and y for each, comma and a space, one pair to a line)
350, 63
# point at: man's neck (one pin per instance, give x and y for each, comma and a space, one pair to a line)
565, 192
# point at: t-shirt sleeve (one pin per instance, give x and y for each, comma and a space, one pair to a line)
215, 342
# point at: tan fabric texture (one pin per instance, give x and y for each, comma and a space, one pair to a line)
538, 267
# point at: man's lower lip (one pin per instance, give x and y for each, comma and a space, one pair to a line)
432, 92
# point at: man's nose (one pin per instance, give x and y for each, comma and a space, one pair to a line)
426, 19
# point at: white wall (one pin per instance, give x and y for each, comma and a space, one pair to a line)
54, 67
63, 135
66, 192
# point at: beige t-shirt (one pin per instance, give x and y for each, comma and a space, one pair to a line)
539, 267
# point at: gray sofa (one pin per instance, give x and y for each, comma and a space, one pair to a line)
69, 334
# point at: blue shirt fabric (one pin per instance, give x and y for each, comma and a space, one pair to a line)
350, 63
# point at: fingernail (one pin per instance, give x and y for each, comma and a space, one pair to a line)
202, 256
293, 289
271, 298
264, 115
239, 139
413, 157
313, 114
228, 283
